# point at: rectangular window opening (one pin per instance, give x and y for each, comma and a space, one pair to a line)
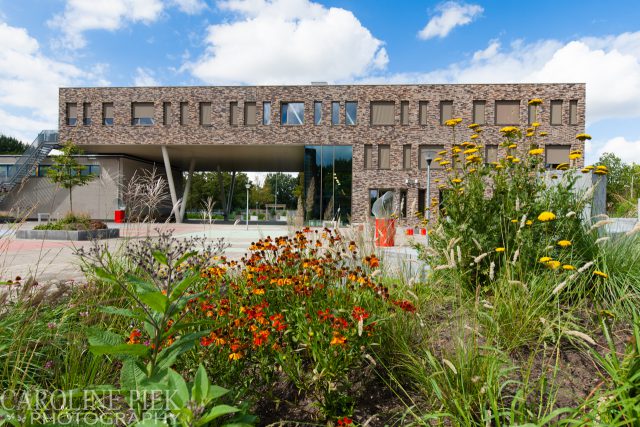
351, 113
507, 113
383, 113
317, 113
266, 113
404, 113
108, 113
384, 156
292, 113
249, 113
446, 111
142, 113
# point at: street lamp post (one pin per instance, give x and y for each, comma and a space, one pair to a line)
428, 158
247, 186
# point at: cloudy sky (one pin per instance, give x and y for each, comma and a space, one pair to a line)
45, 44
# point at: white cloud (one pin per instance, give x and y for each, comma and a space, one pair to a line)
144, 77
191, 7
29, 83
450, 15
628, 151
287, 41
82, 15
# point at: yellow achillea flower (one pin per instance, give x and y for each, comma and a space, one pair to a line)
499, 166
472, 170
515, 221
473, 126
574, 156
456, 180
535, 101
546, 216
568, 267
536, 151
453, 122
445, 163
470, 151
509, 130
512, 146
601, 274
544, 133
564, 243
499, 249
545, 259
529, 222
535, 124
562, 166
437, 159
456, 150
583, 136
474, 136
585, 170
235, 356
600, 172
529, 134
442, 153
515, 160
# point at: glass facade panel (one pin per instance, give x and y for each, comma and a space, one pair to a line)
266, 113
351, 113
317, 113
335, 113
327, 182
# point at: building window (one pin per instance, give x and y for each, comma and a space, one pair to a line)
556, 112
142, 114
292, 113
317, 113
507, 112
422, 112
90, 170
86, 114
184, 113
384, 156
351, 113
234, 114
406, 156
422, 196
426, 151
556, 155
533, 114
249, 113
266, 113
72, 114
479, 116
573, 112
404, 113
403, 203
166, 113
446, 111
368, 156
205, 114
491, 153
107, 113
335, 113
383, 113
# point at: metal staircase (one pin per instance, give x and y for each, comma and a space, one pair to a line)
46, 141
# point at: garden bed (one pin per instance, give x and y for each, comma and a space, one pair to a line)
105, 233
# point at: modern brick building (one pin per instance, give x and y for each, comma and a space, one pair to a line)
353, 142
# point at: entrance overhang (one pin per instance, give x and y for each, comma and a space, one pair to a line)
245, 158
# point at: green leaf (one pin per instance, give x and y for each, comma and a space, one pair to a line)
167, 357
216, 412
184, 285
99, 337
161, 257
179, 386
183, 258
200, 388
156, 300
103, 274
122, 312
215, 392
132, 375
138, 350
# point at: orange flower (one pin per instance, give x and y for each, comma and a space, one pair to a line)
134, 337
359, 313
338, 339
235, 356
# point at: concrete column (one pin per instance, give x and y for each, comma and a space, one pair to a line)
187, 188
172, 186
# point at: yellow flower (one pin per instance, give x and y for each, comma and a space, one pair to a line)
470, 151
600, 273
574, 156
445, 163
536, 151
544, 133
564, 243
529, 134
442, 153
452, 122
583, 136
535, 101
535, 124
545, 259
603, 167
437, 159
235, 356
553, 264
499, 166
600, 172
512, 146
456, 150
568, 267
472, 170
515, 160
529, 222
509, 130
456, 180
474, 136
499, 249
585, 170
562, 166
515, 221
473, 126
546, 216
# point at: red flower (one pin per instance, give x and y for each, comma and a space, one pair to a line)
359, 313
260, 338
405, 305
345, 421
134, 337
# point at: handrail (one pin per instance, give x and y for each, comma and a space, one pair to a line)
28, 159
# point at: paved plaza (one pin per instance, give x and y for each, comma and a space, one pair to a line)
55, 260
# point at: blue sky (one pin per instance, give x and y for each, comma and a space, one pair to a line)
45, 44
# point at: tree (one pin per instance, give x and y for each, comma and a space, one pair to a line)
10, 145
67, 172
623, 184
287, 187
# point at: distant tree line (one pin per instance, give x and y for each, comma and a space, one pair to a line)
623, 186
11, 145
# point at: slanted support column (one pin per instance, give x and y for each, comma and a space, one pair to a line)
187, 188
172, 186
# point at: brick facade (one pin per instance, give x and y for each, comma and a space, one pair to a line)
222, 132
